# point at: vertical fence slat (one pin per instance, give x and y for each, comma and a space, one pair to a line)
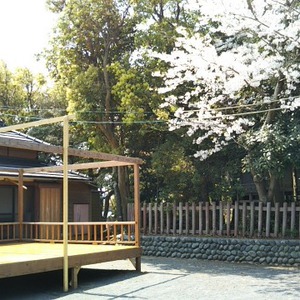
187, 218
155, 218
284, 219
214, 218
150, 218
144, 218
200, 219
193, 218
228, 218
161, 212
244, 218
180, 217
221, 218
276, 222
236, 218
260, 216
293, 218
174, 218
207, 219
268, 219
168, 219
252, 216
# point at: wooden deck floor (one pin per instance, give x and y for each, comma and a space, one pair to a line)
29, 258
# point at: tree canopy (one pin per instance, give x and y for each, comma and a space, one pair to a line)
235, 78
200, 90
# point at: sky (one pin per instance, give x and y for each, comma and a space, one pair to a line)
25, 27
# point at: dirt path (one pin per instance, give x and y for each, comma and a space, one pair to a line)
162, 278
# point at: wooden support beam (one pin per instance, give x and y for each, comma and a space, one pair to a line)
65, 204
35, 123
80, 166
20, 204
6, 142
137, 204
136, 262
74, 277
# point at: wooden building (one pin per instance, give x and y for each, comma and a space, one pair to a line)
46, 220
42, 191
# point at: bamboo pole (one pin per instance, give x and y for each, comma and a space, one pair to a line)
65, 201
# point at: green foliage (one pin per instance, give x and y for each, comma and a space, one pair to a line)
273, 148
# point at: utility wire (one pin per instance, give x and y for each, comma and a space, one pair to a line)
193, 121
148, 112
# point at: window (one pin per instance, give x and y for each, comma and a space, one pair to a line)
8, 203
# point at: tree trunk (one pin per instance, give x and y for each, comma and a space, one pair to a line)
274, 191
106, 204
260, 187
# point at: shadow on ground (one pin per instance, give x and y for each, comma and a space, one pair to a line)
119, 280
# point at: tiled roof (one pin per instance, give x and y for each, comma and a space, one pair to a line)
16, 135
10, 166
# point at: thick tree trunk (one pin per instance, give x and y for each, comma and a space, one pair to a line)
260, 187
274, 192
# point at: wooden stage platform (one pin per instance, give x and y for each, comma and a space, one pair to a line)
28, 258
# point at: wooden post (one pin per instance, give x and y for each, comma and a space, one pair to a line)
214, 218
180, 217
74, 277
174, 218
193, 218
221, 221
276, 222
161, 209
252, 215
187, 218
260, 219
137, 211
168, 219
228, 213
150, 218
207, 219
293, 216
244, 216
200, 219
284, 219
20, 204
65, 202
236, 218
155, 218
268, 219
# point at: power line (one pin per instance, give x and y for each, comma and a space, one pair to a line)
80, 111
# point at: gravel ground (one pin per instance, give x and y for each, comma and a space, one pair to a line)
162, 278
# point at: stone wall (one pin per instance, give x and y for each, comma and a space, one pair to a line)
270, 252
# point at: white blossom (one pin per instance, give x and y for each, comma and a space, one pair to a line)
258, 45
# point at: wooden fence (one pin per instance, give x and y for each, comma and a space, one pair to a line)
78, 232
241, 219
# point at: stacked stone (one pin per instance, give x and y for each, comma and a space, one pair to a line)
271, 252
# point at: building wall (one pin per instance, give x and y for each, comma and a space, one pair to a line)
80, 193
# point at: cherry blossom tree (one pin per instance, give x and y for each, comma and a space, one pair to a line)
235, 78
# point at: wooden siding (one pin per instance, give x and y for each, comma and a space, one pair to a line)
50, 204
18, 153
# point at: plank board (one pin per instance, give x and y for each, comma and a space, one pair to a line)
28, 258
